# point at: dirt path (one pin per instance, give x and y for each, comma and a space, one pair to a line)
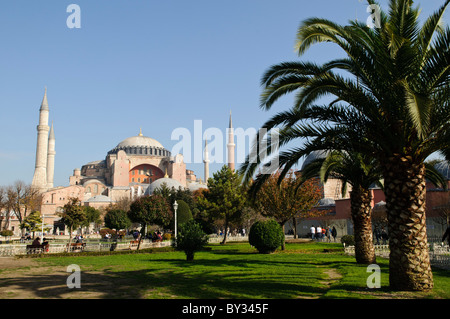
28, 279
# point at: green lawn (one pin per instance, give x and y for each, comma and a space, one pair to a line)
234, 270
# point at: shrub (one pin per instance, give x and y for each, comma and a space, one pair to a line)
167, 236
184, 213
348, 240
266, 236
190, 238
6, 233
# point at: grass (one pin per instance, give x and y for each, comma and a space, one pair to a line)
235, 271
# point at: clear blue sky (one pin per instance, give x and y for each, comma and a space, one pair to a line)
158, 65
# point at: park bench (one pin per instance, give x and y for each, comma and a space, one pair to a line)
76, 247
38, 249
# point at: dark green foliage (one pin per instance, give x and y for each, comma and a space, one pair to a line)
6, 233
148, 210
191, 238
266, 236
117, 219
348, 240
183, 213
225, 198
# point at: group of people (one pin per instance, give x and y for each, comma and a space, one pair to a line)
320, 233
381, 234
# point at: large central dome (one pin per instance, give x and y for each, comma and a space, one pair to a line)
141, 145
140, 141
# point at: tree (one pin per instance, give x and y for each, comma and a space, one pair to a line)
92, 216
117, 219
191, 239
147, 210
33, 222
225, 198
392, 87
361, 172
20, 199
72, 216
291, 198
183, 213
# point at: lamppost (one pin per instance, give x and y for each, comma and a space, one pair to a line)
175, 207
42, 226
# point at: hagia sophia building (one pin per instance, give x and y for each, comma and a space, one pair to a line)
136, 166
139, 164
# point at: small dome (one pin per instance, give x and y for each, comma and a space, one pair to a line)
169, 182
196, 186
443, 167
379, 205
99, 199
314, 156
327, 202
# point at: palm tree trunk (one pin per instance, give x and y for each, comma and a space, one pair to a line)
361, 211
405, 189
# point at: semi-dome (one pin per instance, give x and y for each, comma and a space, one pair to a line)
314, 156
169, 182
443, 167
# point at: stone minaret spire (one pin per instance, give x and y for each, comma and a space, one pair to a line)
206, 161
231, 146
40, 172
51, 158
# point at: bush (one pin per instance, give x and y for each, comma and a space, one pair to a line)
6, 233
191, 238
266, 236
167, 236
348, 240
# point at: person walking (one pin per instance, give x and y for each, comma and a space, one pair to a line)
377, 235
334, 233
319, 233
328, 234
384, 236
313, 231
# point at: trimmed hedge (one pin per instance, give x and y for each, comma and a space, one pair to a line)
266, 236
348, 240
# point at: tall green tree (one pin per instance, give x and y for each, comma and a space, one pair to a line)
117, 219
72, 216
225, 198
392, 87
147, 210
92, 216
33, 222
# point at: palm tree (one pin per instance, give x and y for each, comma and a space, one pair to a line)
360, 172
394, 91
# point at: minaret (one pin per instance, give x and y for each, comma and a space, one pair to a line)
206, 161
51, 158
40, 172
231, 146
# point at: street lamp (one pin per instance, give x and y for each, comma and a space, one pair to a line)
42, 236
175, 207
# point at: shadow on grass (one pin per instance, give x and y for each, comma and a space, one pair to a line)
167, 283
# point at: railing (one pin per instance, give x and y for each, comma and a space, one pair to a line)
21, 249
218, 239
439, 254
